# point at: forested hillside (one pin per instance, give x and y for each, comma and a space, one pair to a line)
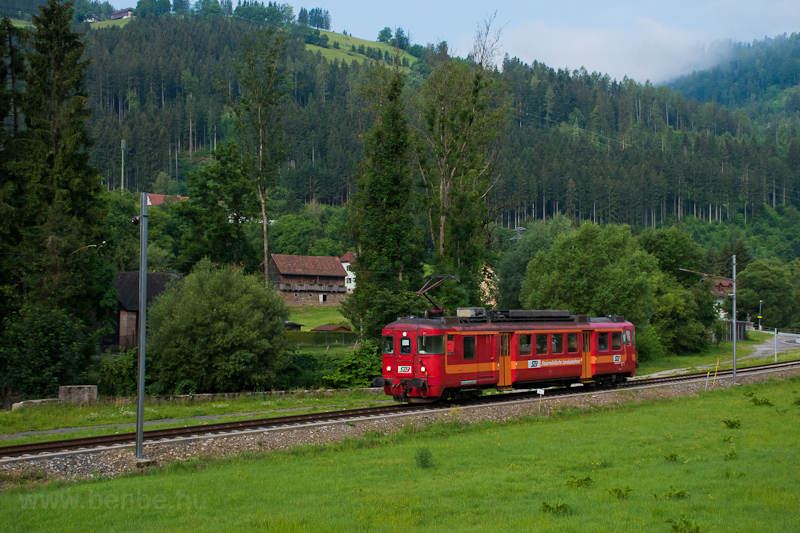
577, 143
760, 77
420, 168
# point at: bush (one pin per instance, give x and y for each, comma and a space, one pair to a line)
119, 373
217, 331
302, 371
41, 349
356, 368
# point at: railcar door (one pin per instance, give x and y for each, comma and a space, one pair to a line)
504, 358
586, 365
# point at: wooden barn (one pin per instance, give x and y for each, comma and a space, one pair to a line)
309, 280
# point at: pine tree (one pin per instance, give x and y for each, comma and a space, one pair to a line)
56, 192
389, 242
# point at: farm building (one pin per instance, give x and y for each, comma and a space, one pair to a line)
309, 280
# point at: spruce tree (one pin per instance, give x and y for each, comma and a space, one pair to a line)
56, 191
388, 262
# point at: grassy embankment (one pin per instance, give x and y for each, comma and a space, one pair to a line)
721, 461
53, 416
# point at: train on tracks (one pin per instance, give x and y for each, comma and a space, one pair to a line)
453, 358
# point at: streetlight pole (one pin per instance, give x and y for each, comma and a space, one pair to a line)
759, 315
142, 221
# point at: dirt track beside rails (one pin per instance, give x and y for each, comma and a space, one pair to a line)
113, 463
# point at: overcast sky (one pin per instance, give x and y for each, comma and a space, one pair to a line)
641, 39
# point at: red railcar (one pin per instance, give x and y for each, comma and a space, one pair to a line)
426, 359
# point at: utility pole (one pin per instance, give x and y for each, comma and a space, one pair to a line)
735, 325
122, 146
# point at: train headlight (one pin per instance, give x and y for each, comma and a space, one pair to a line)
388, 369
422, 369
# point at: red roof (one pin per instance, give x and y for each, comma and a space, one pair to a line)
308, 265
349, 257
158, 199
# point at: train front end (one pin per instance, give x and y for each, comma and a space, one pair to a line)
413, 360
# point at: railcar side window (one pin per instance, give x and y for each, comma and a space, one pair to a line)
469, 347
626, 338
525, 344
541, 344
558, 342
616, 340
572, 342
430, 344
405, 345
388, 344
602, 341
451, 344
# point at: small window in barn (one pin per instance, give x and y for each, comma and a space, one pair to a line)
557, 341
572, 342
525, 344
541, 344
602, 342
616, 340
388, 344
405, 345
427, 344
469, 347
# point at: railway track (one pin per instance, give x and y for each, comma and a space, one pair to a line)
182, 434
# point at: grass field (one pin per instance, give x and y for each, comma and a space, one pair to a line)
723, 461
311, 317
110, 23
346, 42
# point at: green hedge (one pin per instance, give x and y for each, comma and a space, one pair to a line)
321, 338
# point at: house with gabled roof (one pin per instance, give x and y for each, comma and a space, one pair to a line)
126, 328
309, 280
126, 13
347, 262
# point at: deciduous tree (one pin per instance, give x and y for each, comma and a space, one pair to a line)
258, 113
218, 330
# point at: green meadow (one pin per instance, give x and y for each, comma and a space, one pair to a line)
726, 460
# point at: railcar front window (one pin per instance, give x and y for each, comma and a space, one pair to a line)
558, 343
541, 344
616, 340
428, 344
525, 344
602, 341
572, 342
388, 344
405, 345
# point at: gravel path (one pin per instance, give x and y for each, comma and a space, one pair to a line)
117, 462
